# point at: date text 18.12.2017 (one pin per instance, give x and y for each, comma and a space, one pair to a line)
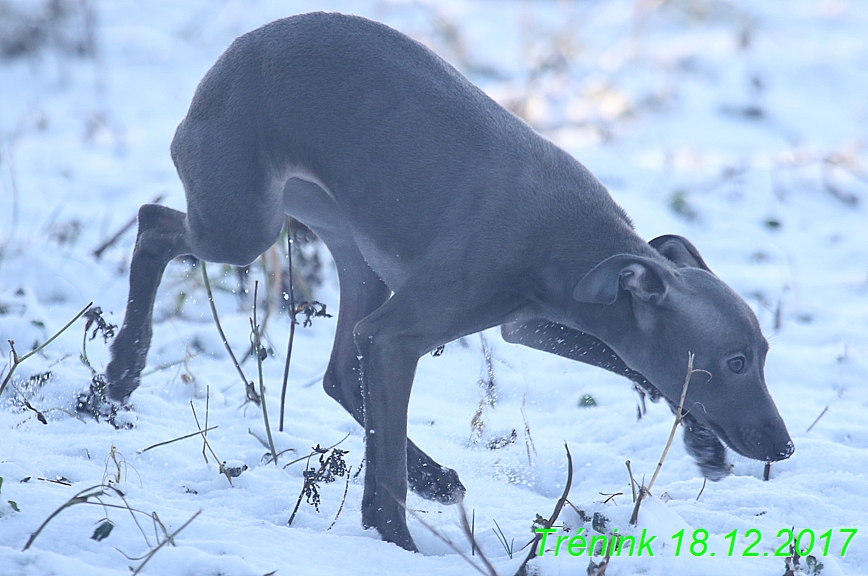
697, 543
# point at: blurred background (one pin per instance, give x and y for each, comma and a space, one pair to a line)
741, 125
726, 113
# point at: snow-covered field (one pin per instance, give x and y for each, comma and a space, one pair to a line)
740, 125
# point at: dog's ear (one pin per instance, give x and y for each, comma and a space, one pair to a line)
679, 251
645, 279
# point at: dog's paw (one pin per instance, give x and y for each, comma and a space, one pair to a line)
435, 482
94, 403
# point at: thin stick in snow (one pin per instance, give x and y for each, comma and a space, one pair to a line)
679, 416
823, 413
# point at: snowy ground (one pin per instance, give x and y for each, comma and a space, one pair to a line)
741, 126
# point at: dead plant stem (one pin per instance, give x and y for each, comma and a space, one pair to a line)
522, 570
16, 360
679, 416
291, 329
166, 540
343, 500
257, 344
247, 384
210, 449
184, 437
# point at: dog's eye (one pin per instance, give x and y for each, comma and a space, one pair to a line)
736, 364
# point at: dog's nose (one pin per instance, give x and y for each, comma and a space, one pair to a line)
784, 450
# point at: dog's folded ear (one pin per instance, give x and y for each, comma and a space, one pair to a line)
679, 251
645, 279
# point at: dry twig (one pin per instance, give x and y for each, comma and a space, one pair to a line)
343, 500
260, 352
679, 416
16, 360
169, 538
248, 385
522, 570
823, 413
701, 490
292, 324
95, 493
208, 445
489, 569
184, 437
632, 481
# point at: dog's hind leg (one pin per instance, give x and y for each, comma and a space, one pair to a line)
362, 292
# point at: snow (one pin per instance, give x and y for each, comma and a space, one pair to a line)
744, 111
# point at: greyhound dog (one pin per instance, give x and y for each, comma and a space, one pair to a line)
445, 215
